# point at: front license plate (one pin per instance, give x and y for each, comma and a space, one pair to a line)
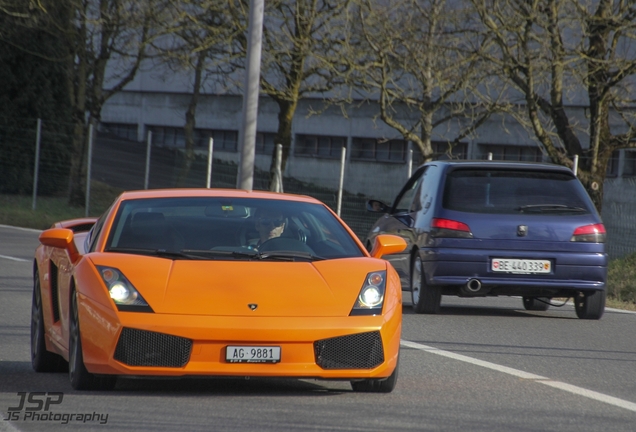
252, 354
522, 266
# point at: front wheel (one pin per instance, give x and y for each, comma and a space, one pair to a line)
41, 359
426, 299
81, 378
377, 385
590, 306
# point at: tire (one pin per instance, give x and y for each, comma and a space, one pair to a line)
41, 359
426, 299
591, 305
377, 385
80, 377
536, 304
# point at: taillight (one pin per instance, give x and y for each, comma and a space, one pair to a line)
449, 228
589, 233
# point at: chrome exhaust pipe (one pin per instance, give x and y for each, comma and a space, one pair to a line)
473, 285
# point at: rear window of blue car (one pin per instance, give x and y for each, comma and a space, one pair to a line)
501, 191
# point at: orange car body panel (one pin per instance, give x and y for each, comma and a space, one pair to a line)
207, 301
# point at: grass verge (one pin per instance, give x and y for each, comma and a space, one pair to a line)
17, 210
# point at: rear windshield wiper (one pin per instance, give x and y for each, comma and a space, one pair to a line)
540, 208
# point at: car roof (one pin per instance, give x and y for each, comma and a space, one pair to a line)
501, 164
212, 192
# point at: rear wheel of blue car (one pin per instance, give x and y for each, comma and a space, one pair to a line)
426, 299
536, 303
590, 305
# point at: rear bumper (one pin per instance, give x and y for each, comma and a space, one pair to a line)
571, 272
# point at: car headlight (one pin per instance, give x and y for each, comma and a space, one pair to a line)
122, 292
371, 297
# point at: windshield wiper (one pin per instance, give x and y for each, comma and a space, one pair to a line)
288, 256
201, 254
162, 253
219, 253
550, 208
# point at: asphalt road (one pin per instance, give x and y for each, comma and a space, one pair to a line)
480, 365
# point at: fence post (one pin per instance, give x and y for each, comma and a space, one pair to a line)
210, 148
576, 165
343, 159
36, 169
88, 168
147, 177
278, 170
409, 162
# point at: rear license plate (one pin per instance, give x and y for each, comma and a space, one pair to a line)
521, 266
252, 354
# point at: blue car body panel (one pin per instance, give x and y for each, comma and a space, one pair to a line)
452, 262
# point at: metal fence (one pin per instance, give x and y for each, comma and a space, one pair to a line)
123, 164
127, 165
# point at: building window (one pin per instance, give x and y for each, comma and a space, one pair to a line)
445, 150
612, 164
629, 165
121, 130
442, 150
512, 153
164, 136
225, 140
319, 146
381, 150
265, 143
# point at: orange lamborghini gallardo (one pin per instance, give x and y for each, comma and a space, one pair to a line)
219, 283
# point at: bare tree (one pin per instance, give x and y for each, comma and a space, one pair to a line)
105, 42
20, 8
198, 42
421, 61
562, 53
301, 41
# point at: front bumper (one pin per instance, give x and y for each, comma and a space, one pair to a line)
102, 327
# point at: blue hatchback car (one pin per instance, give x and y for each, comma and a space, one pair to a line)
494, 228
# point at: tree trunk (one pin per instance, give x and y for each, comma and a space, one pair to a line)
190, 122
286, 113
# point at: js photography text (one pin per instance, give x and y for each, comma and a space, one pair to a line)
36, 407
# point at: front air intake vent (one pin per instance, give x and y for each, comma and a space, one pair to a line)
358, 351
146, 348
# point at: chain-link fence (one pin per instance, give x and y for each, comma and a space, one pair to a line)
123, 164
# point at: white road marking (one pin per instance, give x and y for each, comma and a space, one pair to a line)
13, 258
621, 403
20, 228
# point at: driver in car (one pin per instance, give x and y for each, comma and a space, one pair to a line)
270, 224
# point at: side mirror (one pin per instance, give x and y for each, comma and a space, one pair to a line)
61, 238
376, 206
386, 244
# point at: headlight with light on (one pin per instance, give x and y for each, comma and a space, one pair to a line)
371, 297
123, 293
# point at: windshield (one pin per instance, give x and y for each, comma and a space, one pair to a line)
513, 192
229, 229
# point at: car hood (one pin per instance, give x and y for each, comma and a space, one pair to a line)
232, 288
